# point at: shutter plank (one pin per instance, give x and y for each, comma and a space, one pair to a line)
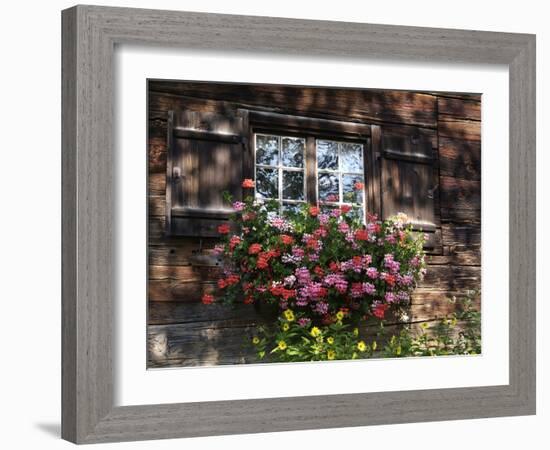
407, 187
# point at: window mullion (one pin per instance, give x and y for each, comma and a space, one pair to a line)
310, 175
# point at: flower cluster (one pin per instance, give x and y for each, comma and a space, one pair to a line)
319, 262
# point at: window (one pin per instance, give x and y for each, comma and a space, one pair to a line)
338, 175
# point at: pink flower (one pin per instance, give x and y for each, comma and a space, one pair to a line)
343, 227
323, 219
390, 297
238, 206
368, 288
372, 273
356, 290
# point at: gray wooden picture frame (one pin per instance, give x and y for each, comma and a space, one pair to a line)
90, 34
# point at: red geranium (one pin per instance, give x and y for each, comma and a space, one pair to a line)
223, 229
234, 241
207, 299
345, 208
379, 310
286, 239
248, 183
362, 235
314, 211
359, 186
254, 249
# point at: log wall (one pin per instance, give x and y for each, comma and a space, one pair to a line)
181, 331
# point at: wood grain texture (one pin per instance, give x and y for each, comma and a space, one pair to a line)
89, 36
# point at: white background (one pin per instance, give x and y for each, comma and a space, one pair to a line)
30, 229
135, 386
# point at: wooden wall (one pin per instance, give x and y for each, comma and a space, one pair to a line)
182, 331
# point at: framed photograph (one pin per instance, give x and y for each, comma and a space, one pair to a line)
252, 212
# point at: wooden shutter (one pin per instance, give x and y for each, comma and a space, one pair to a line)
205, 158
407, 182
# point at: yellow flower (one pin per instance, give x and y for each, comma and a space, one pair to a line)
373, 345
361, 346
330, 340
289, 315
281, 345
398, 350
356, 331
315, 331
255, 340
424, 325
331, 354
286, 326
453, 322
339, 315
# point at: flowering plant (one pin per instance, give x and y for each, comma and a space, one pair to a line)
321, 266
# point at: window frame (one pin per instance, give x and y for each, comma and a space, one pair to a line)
312, 129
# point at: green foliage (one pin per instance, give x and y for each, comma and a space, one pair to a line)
444, 337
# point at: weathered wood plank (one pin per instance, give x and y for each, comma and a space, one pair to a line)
190, 290
349, 104
157, 154
156, 184
459, 129
460, 215
459, 158
457, 193
162, 313
156, 205
461, 237
455, 258
452, 278
459, 108
200, 344
184, 273
161, 102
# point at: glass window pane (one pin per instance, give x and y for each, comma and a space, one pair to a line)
357, 212
267, 150
352, 157
328, 187
291, 208
293, 185
267, 183
293, 152
327, 208
327, 155
352, 188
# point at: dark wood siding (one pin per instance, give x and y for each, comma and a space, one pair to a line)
181, 269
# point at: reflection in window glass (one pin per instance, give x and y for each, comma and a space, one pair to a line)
280, 169
327, 155
340, 175
329, 187
293, 152
267, 183
293, 185
267, 150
